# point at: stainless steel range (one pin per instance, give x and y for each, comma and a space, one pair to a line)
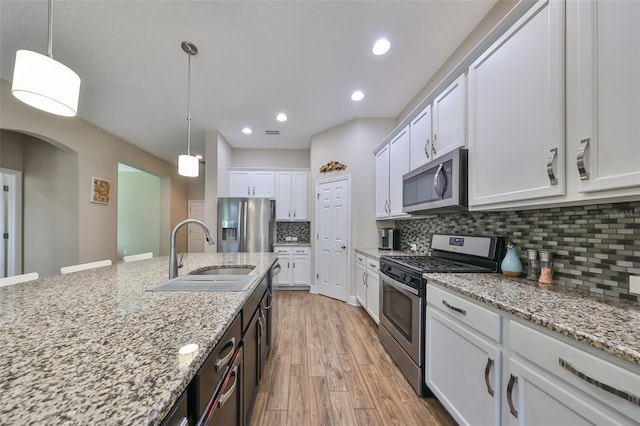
403, 294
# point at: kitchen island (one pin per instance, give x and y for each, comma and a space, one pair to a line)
94, 347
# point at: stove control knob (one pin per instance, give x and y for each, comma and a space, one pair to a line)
404, 276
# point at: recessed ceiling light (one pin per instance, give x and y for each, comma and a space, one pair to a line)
357, 96
381, 47
247, 131
281, 117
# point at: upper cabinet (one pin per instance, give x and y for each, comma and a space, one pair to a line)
449, 119
392, 161
604, 150
258, 184
516, 112
292, 189
440, 126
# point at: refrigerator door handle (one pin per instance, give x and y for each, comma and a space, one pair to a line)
240, 226
245, 209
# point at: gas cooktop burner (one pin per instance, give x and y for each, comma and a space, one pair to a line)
434, 264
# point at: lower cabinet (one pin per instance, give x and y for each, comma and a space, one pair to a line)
226, 408
295, 263
491, 368
462, 369
368, 285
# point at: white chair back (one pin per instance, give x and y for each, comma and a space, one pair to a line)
17, 279
85, 266
140, 256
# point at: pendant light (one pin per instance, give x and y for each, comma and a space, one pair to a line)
189, 165
44, 83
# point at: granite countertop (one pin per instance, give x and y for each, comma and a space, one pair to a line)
613, 326
377, 253
94, 347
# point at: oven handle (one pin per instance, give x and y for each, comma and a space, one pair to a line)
399, 286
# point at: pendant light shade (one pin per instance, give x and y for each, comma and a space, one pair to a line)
44, 83
189, 165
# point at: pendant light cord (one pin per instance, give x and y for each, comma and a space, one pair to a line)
50, 48
189, 106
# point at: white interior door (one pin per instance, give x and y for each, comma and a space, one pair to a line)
333, 210
196, 234
10, 222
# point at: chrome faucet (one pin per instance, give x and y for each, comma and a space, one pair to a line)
173, 258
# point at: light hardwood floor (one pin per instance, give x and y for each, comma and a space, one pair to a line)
327, 367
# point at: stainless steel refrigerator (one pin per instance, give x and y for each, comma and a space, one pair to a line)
246, 224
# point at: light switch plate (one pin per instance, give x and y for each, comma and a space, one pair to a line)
634, 284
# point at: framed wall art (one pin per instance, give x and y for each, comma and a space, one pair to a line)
100, 191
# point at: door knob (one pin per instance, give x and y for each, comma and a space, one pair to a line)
343, 247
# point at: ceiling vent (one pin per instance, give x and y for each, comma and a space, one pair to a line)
272, 132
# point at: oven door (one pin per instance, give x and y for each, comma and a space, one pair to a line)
400, 314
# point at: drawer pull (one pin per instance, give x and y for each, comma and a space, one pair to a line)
584, 174
634, 399
221, 362
453, 308
225, 396
270, 297
512, 381
487, 369
553, 153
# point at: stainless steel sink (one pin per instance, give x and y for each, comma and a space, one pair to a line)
206, 283
223, 270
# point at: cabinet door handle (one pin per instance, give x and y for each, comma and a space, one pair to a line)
221, 362
426, 148
453, 308
433, 144
225, 396
288, 265
294, 212
584, 174
628, 396
294, 264
248, 190
487, 369
512, 381
254, 190
289, 212
364, 279
553, 153
270, 297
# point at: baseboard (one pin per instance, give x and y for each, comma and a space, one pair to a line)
353, 301
293, 287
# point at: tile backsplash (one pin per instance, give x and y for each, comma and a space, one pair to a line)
301, 230
595, 247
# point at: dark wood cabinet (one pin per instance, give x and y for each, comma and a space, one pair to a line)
226, 407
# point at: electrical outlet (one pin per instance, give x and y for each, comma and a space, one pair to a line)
294, 239
414, 247
634, 284
288, 238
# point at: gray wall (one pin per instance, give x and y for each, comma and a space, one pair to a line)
50, 211
98, 154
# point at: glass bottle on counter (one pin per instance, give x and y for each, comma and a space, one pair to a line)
546, 264
532, 265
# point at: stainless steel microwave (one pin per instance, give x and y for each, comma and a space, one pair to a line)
440, 185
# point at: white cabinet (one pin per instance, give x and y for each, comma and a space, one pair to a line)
449, 119
259, 184
292, 190
553, 382
368, 285
295, 263
516, 112
392, 161
604, 154
463, 365
382, 182
440, 127
420, 139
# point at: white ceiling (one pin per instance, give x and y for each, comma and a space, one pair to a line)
256, 58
